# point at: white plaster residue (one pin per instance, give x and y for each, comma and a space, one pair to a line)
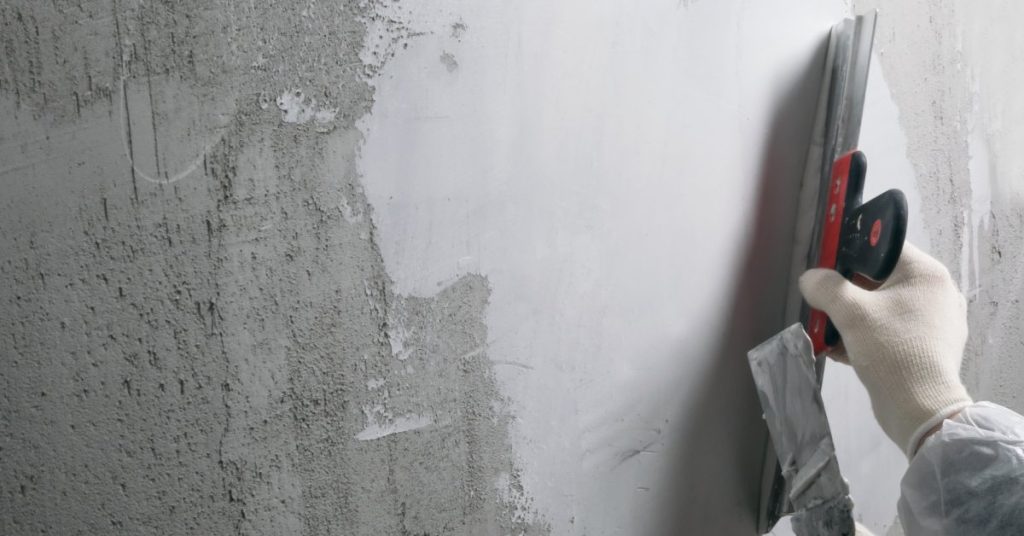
375, 383
405, 423
965, 251
351, 215
397, 334
297, 107
380, 422
981, 203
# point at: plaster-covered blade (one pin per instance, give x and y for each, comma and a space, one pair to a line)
835, 131
784, 372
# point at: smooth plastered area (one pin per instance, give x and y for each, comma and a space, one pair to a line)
373, 267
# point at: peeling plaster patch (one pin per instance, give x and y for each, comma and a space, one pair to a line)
380, 422
299, 108
349, 213
397, 335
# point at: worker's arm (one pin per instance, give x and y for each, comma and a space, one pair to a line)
905, 340
968, 477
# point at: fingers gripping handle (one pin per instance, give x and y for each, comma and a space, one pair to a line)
858, 240
872, 241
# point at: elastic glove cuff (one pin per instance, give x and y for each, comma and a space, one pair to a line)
910, 447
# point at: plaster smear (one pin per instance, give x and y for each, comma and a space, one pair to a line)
992, 54
621, 175
406, 423
299, 108
193, 356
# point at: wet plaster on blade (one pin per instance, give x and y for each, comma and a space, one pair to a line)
195, 310
953, 69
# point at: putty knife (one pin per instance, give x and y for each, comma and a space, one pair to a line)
834, 230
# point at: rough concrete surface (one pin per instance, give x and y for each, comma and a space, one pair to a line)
199, 335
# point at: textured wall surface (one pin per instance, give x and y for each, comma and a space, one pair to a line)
198, 329
385, 267
954, 68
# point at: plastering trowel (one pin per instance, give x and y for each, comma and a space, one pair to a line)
835, 230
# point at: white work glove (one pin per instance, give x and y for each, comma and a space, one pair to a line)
905, 340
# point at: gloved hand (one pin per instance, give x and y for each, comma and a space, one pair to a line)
905, 341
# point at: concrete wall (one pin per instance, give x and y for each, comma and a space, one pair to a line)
377, 267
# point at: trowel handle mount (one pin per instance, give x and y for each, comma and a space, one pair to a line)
858, 239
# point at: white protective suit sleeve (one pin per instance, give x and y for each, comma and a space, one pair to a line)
968, 478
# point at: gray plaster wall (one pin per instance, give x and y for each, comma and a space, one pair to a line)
195, 316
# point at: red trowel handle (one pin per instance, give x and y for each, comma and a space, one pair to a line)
857, 239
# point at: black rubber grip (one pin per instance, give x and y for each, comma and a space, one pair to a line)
871, 241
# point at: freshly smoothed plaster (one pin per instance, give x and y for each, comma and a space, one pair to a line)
624, 178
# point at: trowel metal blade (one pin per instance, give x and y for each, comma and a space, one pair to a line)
784, 372
835, 131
